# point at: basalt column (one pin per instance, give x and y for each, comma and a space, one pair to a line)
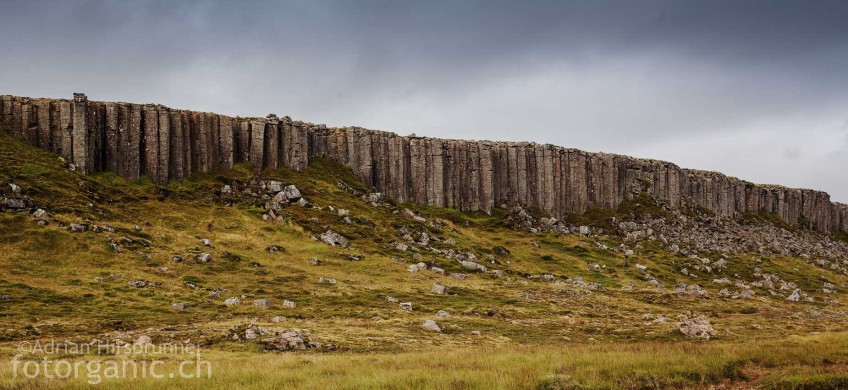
272, 142
225, 141
257, 143
79, 133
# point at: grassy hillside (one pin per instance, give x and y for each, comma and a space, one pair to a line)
75, 286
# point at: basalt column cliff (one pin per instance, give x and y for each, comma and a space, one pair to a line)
163, 143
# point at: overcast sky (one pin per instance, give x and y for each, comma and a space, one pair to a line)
754, 89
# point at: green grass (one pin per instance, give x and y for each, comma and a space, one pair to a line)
534, 334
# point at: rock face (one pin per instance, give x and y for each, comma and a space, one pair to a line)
165, 143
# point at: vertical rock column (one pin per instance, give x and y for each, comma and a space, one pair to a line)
272, 142
79, 133
164, 140
6, 112
112, 137
242, 140
43, 123
55, 128
418, 170
150, 142
17, 120
176, 152
257, 143
225, 141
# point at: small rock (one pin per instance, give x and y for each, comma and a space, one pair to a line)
289, 304
15, 189
443, 314
177, 259
182, 306
326, 280
406, 306
314, 261
232, 301
204, 258
206, 242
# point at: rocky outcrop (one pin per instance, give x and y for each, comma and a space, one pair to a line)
163, 143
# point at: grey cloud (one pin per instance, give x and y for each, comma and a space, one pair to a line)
707, 84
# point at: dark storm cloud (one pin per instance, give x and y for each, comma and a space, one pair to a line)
756, 89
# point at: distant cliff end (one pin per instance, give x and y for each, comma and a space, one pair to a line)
164, 143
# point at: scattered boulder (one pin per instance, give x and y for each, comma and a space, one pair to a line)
77, 228
443, 314
262, 303
205, 242
291, 193
795, 296
291, 339
273, 186
289, 304
138, 283
143, 340
333, 239
232, 301
15, 189
203, 258
314, 261
326, 280
182, 306
375, 198
439, 289
472, 266
40, 214
696, 326
406, 306
12, 203
431, 326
